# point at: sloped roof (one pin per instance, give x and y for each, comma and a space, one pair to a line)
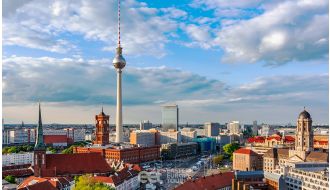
317, 157
37, 183
280, 153
119, 177
18, 173
81, 163
212, 182
245, 151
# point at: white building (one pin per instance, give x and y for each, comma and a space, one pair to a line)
170, 136
5, 136
17, 159
309, 177
188, 134
266, 130
234, 127
18, 136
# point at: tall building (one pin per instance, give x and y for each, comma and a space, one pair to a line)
255, 128
119, 63
170, 117
211, 129
234, 127
102, 129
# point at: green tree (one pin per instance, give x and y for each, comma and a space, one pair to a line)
5, 150
51, 149
230, 148
68, 150
86, 182
10, 179
13, 149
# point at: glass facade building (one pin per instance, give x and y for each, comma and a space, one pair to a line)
170, 117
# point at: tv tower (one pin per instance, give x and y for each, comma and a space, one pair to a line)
119, 63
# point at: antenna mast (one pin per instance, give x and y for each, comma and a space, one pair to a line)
118, 23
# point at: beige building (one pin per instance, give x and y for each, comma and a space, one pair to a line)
246, 160
170, 136
143, 138
188, 134
234, 127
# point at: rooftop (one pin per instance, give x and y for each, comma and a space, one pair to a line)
212, 182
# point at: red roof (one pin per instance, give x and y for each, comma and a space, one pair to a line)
50, 139
37, 183
257, 139
289, 139
18, 173
82, 163
212, 182
119, 177
244, 151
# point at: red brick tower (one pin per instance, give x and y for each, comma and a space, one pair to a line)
102, 129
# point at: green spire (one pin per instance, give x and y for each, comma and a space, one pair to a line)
40, 139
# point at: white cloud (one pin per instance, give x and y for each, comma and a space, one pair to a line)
286, 32
40, 24
88, 83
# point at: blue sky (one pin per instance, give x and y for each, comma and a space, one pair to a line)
218, 60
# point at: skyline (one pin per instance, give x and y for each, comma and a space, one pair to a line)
62, 55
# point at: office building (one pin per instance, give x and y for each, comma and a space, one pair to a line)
145, 125
255, 128
178, 150
144, 137
234, 127
211, 129
266, 130
206, 145
170, 117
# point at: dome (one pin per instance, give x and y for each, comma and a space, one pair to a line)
304, 115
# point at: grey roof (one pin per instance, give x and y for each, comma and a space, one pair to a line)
304, 115
249, 174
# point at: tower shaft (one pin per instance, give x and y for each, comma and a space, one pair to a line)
119, 118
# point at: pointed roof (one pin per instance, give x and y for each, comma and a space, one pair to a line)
39, 141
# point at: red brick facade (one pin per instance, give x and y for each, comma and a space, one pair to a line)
132, 155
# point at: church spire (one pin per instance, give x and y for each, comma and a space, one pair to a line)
40, 139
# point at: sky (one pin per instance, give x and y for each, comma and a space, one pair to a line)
219, 60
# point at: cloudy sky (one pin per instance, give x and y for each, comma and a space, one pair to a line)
219, 60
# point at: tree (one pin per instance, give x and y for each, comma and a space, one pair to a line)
10, 179
86, 182
218, 159
13, 149
230, 148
